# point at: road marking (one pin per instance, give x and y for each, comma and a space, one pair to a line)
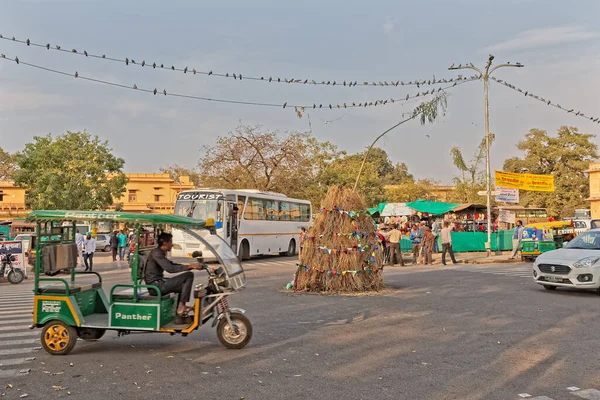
9, 373
15, 327
17, 342
26, 332
16, 312
14, 321
12, 361
589, 394
15, 351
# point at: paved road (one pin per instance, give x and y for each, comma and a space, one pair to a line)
468, 332
17, 343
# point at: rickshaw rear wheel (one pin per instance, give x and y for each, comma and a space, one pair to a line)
58, 338
90, 333
239, 336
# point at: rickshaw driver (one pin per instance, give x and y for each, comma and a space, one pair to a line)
181, 284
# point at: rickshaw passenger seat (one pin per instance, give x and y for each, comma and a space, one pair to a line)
60, 288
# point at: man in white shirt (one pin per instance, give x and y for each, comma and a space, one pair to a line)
446, 235
89, 247
79, 238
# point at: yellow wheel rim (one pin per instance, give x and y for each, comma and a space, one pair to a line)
57, 337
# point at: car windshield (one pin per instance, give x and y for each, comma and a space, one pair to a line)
589, 241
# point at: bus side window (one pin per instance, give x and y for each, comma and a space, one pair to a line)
295, 212
284, 211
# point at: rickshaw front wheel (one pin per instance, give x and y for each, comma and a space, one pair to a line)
238, 334
58, 338
90, 333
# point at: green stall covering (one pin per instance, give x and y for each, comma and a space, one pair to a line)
475, 241
432, 207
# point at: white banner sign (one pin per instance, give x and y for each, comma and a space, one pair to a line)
507, 216
507, 195
395, 209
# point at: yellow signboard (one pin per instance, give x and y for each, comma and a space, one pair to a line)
537, 183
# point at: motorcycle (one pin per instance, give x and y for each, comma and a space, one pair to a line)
13, 274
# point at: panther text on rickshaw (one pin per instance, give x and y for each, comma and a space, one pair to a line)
68, 307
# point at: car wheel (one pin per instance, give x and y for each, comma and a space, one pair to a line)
549, 287
106, 249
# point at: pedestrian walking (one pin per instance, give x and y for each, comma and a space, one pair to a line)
428, 240
79, 239
446, 235
114, 244
416, 237
436, 229
122, 245
301, 240
395, 237
130, 244
517, 237
89, 247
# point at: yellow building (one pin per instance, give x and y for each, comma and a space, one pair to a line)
594, 199
12, 201
152, 193
147, 193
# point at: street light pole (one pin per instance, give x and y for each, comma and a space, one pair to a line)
485, 75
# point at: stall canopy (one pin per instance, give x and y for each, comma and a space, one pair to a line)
432, 207
468, 206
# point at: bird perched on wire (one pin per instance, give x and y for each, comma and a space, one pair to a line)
28, 42
155, 91
135, 86
126, 61
76, 74
57, 47
17, 60
48, 46
165, 92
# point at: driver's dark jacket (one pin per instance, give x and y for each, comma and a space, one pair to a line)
158, 263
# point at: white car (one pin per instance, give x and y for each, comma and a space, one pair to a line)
103, 242
577, 265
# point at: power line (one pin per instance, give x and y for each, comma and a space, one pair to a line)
236, 76
529, 94
284, 105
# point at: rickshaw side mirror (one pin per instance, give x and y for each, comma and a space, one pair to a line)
198, 255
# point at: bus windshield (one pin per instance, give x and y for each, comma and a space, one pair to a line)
200, 209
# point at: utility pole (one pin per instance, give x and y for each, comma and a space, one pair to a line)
485, 75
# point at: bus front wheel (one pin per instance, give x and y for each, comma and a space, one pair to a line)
245, 251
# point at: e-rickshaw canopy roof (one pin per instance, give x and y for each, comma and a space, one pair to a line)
115, 216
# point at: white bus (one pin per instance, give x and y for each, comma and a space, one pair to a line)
252, 222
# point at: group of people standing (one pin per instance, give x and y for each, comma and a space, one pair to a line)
120, 243
423, 236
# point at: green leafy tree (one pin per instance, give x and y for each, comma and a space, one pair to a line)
472, 174
566, 156
72, 171
409, 191
7, 165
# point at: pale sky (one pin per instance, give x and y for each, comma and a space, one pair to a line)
558, 41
